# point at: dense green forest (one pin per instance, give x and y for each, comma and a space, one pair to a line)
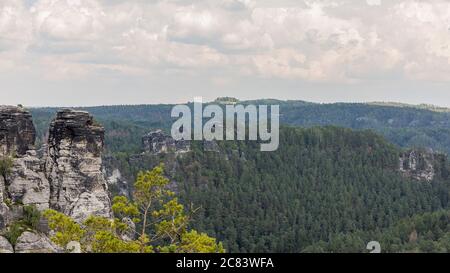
422, 233
321, 183
327, 189
404, 125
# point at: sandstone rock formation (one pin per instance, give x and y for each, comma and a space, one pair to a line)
17, 133
418, 164
157, 142
28, 184
154, 144
4, 215
130, 233
5, 246
24, 181
74, 166
117, 183
30, 242
17, 136
66, 175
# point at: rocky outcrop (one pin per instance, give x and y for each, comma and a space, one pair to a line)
418, 164
17, 133
117, 184
5, 246
157, 142
24, 181
30, 242
65, 175
129, 234
156, 145
74, 166
4, 215
28, 183
4, 209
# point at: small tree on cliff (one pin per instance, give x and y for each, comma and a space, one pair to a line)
6, 163
162, 223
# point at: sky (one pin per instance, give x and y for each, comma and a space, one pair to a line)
103, 52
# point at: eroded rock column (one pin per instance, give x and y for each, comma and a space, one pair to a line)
74, 166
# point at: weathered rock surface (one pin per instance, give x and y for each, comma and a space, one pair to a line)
65, 175
157, 142
4, 209
154, 144
25, 182
5, 246
30, 242
117, 183
28, 183
74, 166
419, 164
4, 215
17, 133
130, 233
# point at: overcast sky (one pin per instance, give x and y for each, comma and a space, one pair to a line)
97, 52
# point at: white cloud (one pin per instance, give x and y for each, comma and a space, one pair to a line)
373, 2
337, 41
14, 26
68, 19
15, 34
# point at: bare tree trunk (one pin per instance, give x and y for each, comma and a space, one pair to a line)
144, 224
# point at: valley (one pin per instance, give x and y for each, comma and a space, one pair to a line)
344, 175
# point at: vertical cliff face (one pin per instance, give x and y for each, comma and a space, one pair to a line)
157, 142
66, 177
74, 166
423, 165
17, 133
22, 179
28, 184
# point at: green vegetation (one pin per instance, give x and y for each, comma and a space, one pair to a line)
13, 232
326, 189
30, 221
6, 163
163, 223
411, 126
404, 126
322, 182
428, 232
32, 216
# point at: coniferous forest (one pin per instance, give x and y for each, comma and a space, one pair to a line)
326, 189
225, 126
321, 184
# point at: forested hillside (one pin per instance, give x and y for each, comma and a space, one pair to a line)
422, 233
322, 182
404, 125
326, 189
